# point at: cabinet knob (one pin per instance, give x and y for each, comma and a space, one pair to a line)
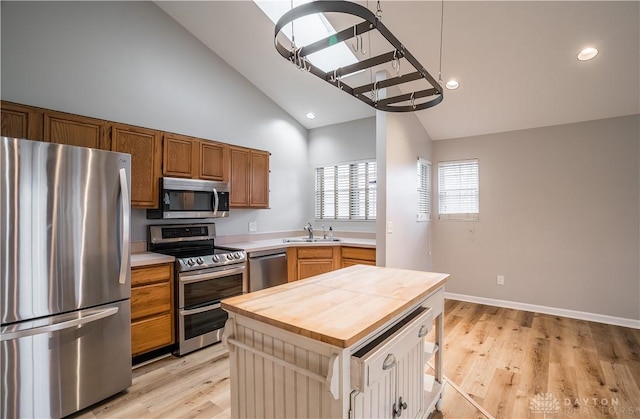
389, 362
423, 331
397, 412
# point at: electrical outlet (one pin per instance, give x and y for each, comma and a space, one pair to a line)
500, 280
253, 226
389, 227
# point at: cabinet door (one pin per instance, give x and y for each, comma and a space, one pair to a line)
144, 146
180, 156
82, 131
19, 121
259, 196
147, 300
213, 160
313, 267
151, 333
240, 160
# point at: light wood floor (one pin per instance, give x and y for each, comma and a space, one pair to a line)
514, 364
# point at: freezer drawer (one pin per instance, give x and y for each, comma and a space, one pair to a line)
55, 366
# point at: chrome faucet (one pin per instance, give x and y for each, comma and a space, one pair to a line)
310, 230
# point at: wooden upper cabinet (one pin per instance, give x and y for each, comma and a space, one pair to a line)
259, 196
180, 156
239, 179
20, 121
144, 145
249, 177
214, 160
65, 128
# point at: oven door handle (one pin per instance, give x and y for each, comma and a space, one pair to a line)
187, 279
199, 310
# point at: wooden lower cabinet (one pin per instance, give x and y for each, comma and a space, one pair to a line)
152, 322
304, 262
357, 256
307, 261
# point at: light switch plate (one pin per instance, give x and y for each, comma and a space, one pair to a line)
253, 226
389, 227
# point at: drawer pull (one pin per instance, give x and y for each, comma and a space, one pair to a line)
401, 406
389, 362
423, 331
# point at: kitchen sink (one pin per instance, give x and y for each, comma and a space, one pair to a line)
308, 240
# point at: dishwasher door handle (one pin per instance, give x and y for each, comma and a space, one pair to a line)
279, 255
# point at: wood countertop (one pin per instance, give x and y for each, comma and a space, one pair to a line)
339, 307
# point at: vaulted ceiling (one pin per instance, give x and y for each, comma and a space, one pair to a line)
515, 61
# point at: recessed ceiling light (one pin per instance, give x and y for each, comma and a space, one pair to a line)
311, 115
452, 85
587, 54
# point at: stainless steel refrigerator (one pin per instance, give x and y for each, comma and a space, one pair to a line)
64, 277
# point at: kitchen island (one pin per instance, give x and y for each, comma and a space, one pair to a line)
348, 343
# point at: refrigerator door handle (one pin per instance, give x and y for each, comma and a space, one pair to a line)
59, 326
126, 226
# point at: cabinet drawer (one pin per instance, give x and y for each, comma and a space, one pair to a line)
359, 253
151, 274
150, 299
435, 302
315, 252
151, 333
370, 363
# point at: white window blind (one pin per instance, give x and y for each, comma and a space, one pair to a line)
424, 189
346, 191
458, 190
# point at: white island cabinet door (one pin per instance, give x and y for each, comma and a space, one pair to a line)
387, 373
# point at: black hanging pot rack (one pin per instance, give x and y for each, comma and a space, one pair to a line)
298, 56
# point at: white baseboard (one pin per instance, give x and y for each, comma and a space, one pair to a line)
581, 315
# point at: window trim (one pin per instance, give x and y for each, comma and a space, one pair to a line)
462, 216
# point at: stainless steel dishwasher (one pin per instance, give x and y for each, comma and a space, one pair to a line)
267, 268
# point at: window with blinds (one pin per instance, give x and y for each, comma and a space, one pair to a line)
346, 191
424, 190
458, 190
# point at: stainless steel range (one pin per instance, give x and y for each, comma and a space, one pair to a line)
205, 275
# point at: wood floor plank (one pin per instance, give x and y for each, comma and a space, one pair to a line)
504, 358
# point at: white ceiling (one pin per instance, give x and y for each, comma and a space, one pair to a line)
516, 61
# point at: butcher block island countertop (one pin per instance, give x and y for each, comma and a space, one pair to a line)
340, 307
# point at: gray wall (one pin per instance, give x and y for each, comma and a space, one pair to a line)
339, 143
401, 139
559, 218
130, 62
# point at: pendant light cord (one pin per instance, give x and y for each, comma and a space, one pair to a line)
441, 31
293, 36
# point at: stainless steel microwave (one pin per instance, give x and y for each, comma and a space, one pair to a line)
191, 198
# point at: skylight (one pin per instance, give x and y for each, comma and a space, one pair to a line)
309, 29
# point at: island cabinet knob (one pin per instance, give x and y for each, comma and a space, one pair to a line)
401, 406
389, 362
424, 329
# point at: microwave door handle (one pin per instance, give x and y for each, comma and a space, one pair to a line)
215, 202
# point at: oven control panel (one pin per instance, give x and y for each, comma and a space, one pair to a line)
212, 261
